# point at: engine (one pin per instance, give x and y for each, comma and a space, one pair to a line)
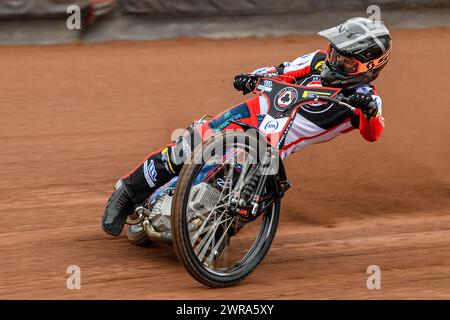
203, 199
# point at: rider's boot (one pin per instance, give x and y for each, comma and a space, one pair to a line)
133, 189
118, 207
156, 170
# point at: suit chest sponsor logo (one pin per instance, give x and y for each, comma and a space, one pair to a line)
311, 80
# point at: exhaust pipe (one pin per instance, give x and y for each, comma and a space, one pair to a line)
141, 213
157, 236
153, 234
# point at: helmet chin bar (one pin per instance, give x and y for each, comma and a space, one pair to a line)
332, 78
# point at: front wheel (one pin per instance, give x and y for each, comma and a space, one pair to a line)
217, 246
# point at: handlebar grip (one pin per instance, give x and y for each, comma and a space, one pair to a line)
325, 98
341, 101
329, 99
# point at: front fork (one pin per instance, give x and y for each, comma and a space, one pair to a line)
252, 190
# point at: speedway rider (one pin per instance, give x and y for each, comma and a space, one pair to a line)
358, 50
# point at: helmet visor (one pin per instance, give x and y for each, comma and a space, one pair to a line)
346, 65
351, 66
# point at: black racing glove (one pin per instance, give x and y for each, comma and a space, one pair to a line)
364, 102
245, 83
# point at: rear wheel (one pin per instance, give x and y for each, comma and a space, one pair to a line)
217, 246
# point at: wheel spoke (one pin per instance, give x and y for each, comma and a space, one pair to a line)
213, 211
205, 221
201, 249
210, 240
219, 243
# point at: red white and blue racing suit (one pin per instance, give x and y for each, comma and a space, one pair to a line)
312, 124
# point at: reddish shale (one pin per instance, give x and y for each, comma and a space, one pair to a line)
77, 117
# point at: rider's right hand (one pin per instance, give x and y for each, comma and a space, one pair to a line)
364, 102
245, 83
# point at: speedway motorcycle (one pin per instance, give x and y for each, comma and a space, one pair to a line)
221, 213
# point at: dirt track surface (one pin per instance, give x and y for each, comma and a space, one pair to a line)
77, 117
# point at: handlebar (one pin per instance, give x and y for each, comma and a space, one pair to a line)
339, 101
342, 102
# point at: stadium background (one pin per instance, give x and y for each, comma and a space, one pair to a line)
84, 108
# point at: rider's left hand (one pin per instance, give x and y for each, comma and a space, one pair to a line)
364, 102
244, 83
